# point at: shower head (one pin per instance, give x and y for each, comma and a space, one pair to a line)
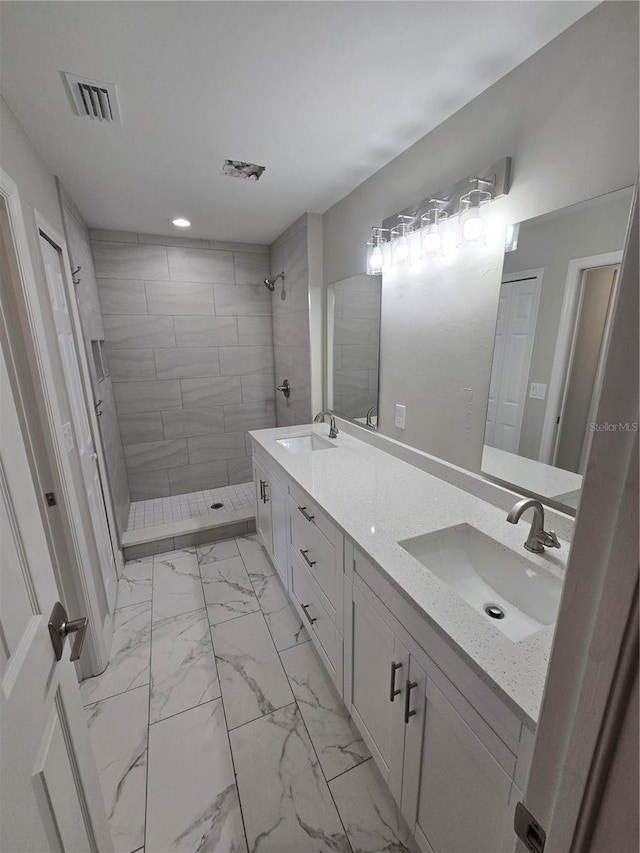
270, 283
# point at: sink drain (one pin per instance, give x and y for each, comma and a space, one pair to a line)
494, 611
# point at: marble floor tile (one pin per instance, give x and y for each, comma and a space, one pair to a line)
254, 556
134, 585
192, 797
128, 666
214, 551
282, 620
183, 668
337, 742
285, 800
252, 679
227, 590
177, 587
370, 815
118, 727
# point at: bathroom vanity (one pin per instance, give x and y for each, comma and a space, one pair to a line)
393, 572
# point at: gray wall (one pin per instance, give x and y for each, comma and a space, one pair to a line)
551, 243
79, 248
569, 118
291, 336
190, 347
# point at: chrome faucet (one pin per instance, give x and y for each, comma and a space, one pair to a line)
538, 537
333, 430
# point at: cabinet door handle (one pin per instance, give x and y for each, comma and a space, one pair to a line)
393, 692
305, 608
265, 499
309, 562
407, 700
262, 490
305, 513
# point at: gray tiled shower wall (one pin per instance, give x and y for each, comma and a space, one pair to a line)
290, 306
190, 345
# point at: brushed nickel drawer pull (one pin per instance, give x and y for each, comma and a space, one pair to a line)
407, 701
309, 562
306, 514
393, 691
311, 619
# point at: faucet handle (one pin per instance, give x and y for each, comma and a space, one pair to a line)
549, 539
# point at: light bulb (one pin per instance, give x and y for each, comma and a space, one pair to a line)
432, 240
181, 223
375, 259
473, 225
402, 249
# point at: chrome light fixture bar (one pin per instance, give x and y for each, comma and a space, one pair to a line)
497, 176
375, 257
430, 237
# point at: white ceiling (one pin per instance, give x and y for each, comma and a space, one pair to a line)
321, 93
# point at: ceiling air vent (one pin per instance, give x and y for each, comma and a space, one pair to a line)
93, 98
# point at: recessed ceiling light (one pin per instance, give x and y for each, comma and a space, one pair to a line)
181, 223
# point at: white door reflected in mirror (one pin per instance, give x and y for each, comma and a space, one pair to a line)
558, 291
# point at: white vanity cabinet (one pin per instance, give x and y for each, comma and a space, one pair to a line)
454, 753
452, 772
271, 514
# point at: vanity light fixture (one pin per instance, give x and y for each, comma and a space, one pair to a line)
180, 222
511, 237
430, 237
375, 257
400, 248
466, 198
472, 223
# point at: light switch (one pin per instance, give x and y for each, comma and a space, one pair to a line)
401, 412
538, 391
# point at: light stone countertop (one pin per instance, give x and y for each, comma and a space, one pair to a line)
378, 500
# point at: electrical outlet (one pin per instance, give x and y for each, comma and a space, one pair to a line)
401, 412
538, 391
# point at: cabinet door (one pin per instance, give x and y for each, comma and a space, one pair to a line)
380, 664
279, 529
263, 506
464, 799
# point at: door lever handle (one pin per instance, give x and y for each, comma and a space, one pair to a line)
60, 626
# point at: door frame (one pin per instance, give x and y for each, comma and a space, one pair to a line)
60, 243
594, 658
565, 344
510, 278
52, 461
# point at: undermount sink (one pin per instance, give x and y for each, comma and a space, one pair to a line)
304, 443
508, 590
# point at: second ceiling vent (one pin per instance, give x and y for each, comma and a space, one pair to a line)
93, 99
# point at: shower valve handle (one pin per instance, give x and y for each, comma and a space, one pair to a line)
285, 387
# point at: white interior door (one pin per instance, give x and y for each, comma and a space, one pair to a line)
50, 796
81, 433
515, 331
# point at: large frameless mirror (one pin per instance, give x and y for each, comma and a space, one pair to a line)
353, 347
558, 287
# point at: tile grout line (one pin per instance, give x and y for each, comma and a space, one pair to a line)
315, 752
146, 787
224, 710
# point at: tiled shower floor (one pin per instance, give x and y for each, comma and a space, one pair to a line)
181, 507
215, 726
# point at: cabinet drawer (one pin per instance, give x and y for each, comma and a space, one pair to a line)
310, 512
319, 555
321, 629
